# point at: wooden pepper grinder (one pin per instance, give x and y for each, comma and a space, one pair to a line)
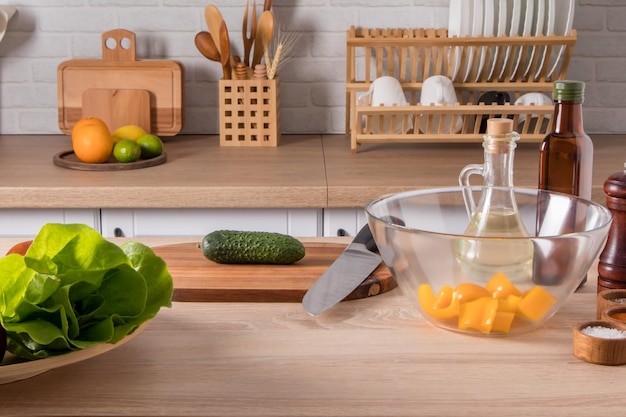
612, 262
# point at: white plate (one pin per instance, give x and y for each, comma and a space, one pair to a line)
502, 13
527, 11
501, 30
548, 29
23, 370
516, 17
488, 31
514, 13
477, 30
459, 24
562, 26
538, 25
550, 17
455, 18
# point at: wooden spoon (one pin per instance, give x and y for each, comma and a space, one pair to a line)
267, 5
225, 51
207, 47
213, 19
264, 33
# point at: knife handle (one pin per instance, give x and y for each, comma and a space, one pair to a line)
365, 234
366, 238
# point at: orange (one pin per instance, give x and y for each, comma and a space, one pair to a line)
92, 141
86, 120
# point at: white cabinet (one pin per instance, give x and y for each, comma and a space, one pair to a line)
27, 222
199, 222
346, 220
187, 222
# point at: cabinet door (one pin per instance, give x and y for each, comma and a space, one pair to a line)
27, 222
199, 222
343, 221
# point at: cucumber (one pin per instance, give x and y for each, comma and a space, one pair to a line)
238, 247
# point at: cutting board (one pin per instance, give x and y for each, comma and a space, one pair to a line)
199, 279
120, 70
117, 107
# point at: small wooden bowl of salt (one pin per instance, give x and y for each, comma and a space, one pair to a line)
600, 342
609, 299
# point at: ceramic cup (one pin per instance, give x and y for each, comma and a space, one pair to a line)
6, 13
438, 90
387, 91
492, 97
537, 99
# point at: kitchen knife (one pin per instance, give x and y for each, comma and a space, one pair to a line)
355, 264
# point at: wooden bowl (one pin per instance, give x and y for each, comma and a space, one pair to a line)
599, 350
616, 316
605, 300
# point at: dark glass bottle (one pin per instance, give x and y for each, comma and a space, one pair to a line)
566, 154
566, 159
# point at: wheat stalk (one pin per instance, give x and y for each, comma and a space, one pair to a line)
279, 52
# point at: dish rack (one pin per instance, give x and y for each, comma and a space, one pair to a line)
413, 55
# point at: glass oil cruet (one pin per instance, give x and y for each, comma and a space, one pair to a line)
496, 215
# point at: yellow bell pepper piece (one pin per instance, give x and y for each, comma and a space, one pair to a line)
478, 314
509, 305
428, 301
500, 287
467, 292
536, 303
444, 298
502, 321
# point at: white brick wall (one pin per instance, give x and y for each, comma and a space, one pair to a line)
47, 32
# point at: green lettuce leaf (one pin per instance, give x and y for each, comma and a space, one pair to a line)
74, 289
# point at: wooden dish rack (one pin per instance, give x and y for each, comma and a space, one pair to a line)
413, 55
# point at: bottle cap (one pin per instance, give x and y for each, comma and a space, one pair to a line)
499, 126
568, 90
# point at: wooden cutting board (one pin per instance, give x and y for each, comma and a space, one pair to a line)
199, 279
120, 70
117, 107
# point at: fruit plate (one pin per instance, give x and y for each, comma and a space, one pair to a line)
68, 159
17, 371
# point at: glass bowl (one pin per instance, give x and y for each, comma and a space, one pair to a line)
492, 282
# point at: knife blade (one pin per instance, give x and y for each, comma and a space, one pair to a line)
355, 264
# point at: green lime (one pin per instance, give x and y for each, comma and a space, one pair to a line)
126, 150
151, 146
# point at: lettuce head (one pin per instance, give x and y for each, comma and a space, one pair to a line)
73, 289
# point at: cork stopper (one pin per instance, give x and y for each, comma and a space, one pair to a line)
499, 126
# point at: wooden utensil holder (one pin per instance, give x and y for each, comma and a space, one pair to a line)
249, 112
413, 55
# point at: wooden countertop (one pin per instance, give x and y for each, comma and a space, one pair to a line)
305, 171
198, 174
370, 357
